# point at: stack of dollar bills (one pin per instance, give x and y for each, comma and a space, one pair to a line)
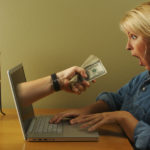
94, 69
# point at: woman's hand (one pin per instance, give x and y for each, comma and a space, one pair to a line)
94, 121
71, 113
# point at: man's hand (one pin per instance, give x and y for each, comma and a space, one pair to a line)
66, 75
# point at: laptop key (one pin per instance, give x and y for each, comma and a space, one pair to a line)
50, 128
59, 129
38, 123
45, 128
42, 123
54, 127
32, 125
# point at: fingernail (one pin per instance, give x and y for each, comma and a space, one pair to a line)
72, 121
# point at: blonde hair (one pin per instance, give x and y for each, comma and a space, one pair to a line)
137, 20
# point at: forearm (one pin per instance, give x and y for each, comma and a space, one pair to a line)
97, 107
128, 123
34, 90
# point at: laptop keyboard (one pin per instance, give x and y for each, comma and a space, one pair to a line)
41, 125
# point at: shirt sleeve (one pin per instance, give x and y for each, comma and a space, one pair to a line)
115, 100
142, 136
112, 99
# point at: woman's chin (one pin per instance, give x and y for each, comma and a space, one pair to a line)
141, 64
147, 68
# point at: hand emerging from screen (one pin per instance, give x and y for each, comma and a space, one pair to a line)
33, 90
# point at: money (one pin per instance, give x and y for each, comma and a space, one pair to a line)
93, 67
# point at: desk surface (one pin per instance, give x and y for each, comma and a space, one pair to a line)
111, 137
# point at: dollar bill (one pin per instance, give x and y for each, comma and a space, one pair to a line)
94, 68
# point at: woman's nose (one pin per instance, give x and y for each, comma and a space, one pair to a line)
128, 46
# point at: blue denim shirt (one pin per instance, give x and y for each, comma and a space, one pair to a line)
134, 97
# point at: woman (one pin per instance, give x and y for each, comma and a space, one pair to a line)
129, 106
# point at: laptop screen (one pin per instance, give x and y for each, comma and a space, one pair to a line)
16, 75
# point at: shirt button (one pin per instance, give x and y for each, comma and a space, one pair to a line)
143, 89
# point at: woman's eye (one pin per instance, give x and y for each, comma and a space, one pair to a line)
133, 37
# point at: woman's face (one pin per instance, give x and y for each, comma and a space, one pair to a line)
139, 48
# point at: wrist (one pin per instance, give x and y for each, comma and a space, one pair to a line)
122, 116
55, 82
61, 79
60, 75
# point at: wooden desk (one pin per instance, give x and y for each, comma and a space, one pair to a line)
111, 137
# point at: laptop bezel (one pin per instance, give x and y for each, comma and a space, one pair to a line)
13, 88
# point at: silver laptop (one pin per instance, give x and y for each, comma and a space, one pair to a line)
38, 128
